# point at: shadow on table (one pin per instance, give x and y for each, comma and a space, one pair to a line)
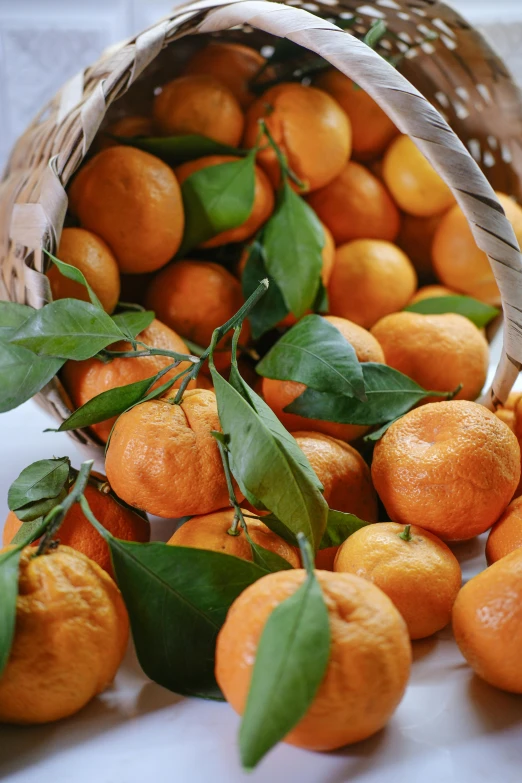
497, 710
23, 746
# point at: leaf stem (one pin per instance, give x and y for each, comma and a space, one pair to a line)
150, 351
307, 556
286, 171
406, 534
55, 517
239, 519
92, 519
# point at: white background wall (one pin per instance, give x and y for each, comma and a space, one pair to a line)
44, 42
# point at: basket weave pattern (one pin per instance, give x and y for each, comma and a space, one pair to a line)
459, 74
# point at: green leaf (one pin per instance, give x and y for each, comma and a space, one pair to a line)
179, 149
373, 437
9, 564
217, 199
315, 353
339, 527
132, 322
12, 316
39, 508
478, 312
266, 461
271, 308
29, 532
177, 599
291, 661
377, 30
390, 394
73, 273
41, 480
293, 240
23, 374
109, 403
269, 561
69, 329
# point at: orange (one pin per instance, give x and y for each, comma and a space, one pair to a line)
449, 467
439, 352
85, 380
418, 572
416, 238
369, 663
163, 459
370, 279
126, 127
194, 298
279, 394
78, 533
506, 534
372, 129
487, 623
201, 105
132, 200
309, 127
413, 182
263, 199
356, 205
233, 64
431, 292
508, 413
459, 262
346, 481
94, 258
70, 637
210, 531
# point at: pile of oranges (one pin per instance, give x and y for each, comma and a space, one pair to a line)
446, 471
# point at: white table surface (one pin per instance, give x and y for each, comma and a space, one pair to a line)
449, 728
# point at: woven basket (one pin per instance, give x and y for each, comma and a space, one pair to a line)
458, 73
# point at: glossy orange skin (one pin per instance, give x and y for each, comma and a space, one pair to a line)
421, 576
233, 64
71, 635
279, 394
310, 128
369, 662
194, 298
78, 533
92, 256
201, 105
210, 531
263, 199
132, 200
372, 129
439, 352
459, 262
346, 480
449, 467
356, 205
431, 292
163, 459
371, 278
413, 182
506, 534
487, 623
85, 380
416, 238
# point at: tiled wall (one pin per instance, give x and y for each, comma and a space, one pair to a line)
44, 42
